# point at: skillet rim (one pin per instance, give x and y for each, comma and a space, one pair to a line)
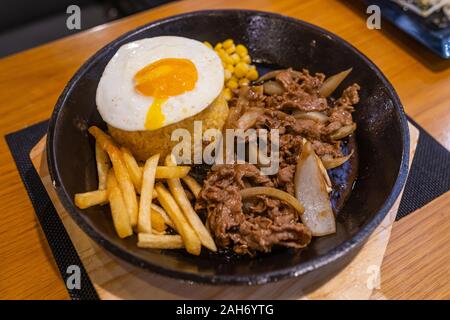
333, 256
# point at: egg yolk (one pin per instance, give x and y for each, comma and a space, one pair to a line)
163, 79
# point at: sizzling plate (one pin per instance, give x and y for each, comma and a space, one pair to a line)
382, 138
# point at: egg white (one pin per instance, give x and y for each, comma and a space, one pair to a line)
122, 107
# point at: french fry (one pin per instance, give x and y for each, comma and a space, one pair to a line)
190, 238
136, 171
192, 185
148, 181
92, 198
154, 195
164, 215
104, 141
165, 172
153, 241
119, 213
133, 169
158, 223
126, 186
159, 219
103, 166
156, 232
177, 190
120, 171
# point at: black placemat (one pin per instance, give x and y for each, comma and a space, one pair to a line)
429, 177
20, 144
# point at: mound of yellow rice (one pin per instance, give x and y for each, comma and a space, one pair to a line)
144, 144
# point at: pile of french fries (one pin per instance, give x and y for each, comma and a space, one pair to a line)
132, 190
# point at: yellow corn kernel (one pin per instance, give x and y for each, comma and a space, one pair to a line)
252, 74
229, 67
227, 94
241, 50
241, 69
236, 58
218, 46
232, 84
224, 57
220, 52
227, 59
228, 43
228, 74
209, 45
221, 57
246, 59
231, 49
243, 82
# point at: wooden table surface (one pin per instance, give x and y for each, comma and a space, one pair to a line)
418, 256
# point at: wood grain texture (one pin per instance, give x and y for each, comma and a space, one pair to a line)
115, 279
30, 83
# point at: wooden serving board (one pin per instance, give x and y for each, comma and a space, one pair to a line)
116, 279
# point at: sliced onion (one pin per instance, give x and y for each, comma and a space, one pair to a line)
330, 163
344, 131
258, 89
311, 115
324, 172
331, 83
248, 119
275, 193
273, 88
311, 191
269, 75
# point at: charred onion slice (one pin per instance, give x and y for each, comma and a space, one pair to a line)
269, 75
325, 175
273, 88
331, 83
311, 191
275, 193
248, 119
343, 132
258, 89
311, 115
330, 163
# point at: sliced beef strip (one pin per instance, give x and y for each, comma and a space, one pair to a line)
349, 97
322, 148
278, 226
246, 98
274, 119
255, 227
317, 133
301, 92
341, 114
289, 152
260, 223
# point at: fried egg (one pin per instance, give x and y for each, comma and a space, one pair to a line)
154, 82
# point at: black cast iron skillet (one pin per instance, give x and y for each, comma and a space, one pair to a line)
382, 138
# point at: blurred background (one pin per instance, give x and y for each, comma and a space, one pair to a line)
25, 24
